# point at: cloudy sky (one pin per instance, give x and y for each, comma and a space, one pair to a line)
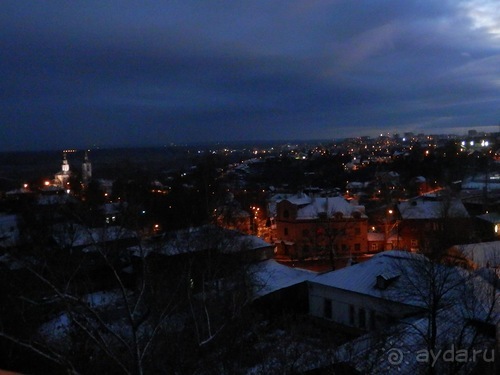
125, 73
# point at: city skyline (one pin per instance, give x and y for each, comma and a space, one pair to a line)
150, 73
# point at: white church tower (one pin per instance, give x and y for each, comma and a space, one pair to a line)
86, 169
63, 175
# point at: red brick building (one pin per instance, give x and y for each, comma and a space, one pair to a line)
320, 227
427, 221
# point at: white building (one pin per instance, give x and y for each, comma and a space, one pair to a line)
364, 296
62, 177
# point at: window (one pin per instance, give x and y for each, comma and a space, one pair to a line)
374, 246
285, 231
351, 315
286, 214
344, 247
372, 319
357, 247
362, 318
414, 243
327, 308
357, 231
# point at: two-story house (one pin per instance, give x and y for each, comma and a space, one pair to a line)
431, 221
320, 226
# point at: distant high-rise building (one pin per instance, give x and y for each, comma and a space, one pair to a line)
472, 133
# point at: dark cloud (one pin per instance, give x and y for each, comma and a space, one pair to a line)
150, 72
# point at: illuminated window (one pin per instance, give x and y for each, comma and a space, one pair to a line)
496, 228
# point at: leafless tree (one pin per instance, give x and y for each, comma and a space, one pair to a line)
115, 304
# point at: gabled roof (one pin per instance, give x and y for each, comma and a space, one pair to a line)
362, 277
204, 238
300, 199
483, 254
373, 353
428, 208
491, 217
67, 235
330, 206
407, 273
269, 276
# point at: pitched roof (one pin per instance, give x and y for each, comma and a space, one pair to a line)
361, 278
428, 208
207, 237
492, 217
330, 206
483, 254
269, 276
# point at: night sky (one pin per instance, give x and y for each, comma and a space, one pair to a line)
136, 73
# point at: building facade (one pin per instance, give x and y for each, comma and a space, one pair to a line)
320, 227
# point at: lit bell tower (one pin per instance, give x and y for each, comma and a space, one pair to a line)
62, 177
65, 164
86, 169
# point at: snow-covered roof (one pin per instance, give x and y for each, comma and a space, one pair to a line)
53, 199
113, 208
274, 200
104, 298
9, 230
355, 185
18, 191
330, 206
79, 236
361, 278
203, 238
480, 182
427, 208
483, 254
300, 199
269, 276
491, 217
396, 351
